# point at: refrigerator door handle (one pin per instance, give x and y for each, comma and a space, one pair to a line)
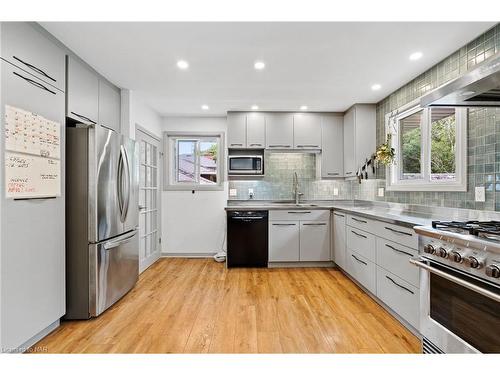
128, 184
120, 240
123, 166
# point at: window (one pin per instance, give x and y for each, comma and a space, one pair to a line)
431, 149
195, 161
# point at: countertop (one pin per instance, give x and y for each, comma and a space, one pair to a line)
391, 213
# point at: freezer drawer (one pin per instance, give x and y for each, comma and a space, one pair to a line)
114, 269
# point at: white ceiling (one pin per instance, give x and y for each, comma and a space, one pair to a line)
326, 66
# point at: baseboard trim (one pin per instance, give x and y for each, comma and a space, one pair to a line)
27, 346
299, 264
187, 255
148, 263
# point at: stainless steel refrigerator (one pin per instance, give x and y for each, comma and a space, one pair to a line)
102, 215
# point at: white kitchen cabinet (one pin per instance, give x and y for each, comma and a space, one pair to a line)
82, 93
109, 106
236, 130
284, 241
396, 258
362, 269
256, 130
339, 239
363, 243
314, 241
279, 131
359, 136
332, 146
307, 131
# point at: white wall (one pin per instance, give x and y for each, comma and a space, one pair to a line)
193, 224
135, 112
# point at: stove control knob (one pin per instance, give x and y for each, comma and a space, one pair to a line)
456, 256
493, 270
429, 249
442, 252
473, 262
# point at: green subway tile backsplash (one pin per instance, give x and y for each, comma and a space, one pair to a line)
483, 147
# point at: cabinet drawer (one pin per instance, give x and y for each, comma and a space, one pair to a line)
396, 233
362, 270
361, 223
361, 242
399, 295
299, 214
395, 258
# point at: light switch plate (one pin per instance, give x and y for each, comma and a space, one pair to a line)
233, 192
480, 194
250, 191
335, 191
380, 192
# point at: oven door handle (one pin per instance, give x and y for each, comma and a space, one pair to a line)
485, 292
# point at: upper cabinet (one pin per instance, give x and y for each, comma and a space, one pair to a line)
109, 106
307, 131
236, 130
256, 130
27, 48
82, 93
359, 137
279, 131
332, 154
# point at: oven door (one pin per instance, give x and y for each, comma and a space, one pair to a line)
245, 164
458, 313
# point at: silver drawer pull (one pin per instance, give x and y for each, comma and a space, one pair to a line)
255, 144
399, 251
280, 224
336, 214
279, 145
359, 234
332, 174
236, 144
348, 173
307, 146
314, 224
359, 220
398, 231
299, 212
359, 260
401, 286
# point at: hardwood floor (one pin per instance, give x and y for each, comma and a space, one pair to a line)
198, 306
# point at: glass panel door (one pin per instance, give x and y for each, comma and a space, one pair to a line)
149, 199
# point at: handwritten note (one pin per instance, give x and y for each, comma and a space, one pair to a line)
33, 150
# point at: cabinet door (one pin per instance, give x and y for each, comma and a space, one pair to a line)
236, 130
307, 131
256, 130
82, 93
284, 241
349, 145
279, 131
109, 106
365, 132
27, 48
339, 241
332, 146
314, 241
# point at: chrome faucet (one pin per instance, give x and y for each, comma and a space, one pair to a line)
296, 191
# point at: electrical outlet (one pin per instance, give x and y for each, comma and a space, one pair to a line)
480, 194
335, 191
233, 192
250, 193
380, 192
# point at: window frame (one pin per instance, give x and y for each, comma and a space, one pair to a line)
394, 181
170, 139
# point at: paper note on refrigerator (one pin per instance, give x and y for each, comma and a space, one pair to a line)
32, 155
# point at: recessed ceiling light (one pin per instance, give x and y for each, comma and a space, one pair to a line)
205, 107
376, 87
255, 107
303, 107
259, 65
182, 64
416, 55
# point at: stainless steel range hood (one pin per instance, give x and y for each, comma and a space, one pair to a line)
479, 87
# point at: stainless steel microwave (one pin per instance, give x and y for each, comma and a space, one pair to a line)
245, 164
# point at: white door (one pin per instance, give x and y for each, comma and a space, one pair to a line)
149, 199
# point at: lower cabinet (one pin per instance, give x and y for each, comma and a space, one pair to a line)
362, 269
314, 241
399, 295
338, 238
284, 241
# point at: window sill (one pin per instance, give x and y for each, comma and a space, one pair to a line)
426, 187
193, 187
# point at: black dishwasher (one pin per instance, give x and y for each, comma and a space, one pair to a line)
247, 238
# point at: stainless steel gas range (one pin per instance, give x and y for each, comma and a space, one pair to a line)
459, 286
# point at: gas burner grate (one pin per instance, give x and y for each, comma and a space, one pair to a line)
486, 229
